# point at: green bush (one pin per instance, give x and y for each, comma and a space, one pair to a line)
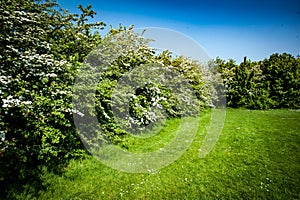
282, 80
127, 72
41, 48
271, 83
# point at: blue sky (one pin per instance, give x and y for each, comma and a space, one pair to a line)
228, 29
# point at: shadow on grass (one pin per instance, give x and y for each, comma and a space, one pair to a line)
18, 177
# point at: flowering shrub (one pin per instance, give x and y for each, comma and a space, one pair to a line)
42, 51
41, 48
135, 87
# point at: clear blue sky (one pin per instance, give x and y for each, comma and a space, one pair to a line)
228, 29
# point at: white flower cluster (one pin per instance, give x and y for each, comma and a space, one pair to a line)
11, 102
51, 75
61, 92
77, 112
2, 136
5, 80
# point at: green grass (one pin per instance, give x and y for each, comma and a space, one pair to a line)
256, 157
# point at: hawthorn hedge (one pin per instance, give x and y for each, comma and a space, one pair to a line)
43, 48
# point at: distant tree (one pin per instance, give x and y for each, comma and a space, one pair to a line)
271, 83
282, 78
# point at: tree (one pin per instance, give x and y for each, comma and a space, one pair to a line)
282, 72
123, 53
41, 48
271, 83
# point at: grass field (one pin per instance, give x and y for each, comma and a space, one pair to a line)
256, 157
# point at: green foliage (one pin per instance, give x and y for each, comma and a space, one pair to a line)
42, 50
282, 78
128, 72
41, 47
271, 83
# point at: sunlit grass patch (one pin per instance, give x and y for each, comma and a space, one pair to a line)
256, 157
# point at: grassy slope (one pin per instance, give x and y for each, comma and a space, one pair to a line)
256, 157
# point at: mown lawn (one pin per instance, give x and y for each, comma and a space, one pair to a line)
256, 157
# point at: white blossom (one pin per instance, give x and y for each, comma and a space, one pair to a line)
51, 75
